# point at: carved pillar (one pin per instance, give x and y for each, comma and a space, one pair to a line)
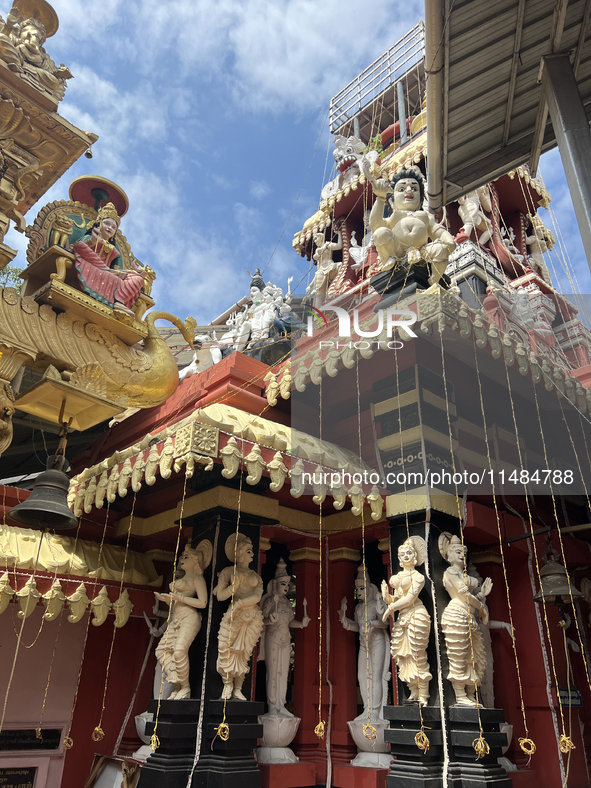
307, 746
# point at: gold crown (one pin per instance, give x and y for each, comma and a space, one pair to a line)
108, 211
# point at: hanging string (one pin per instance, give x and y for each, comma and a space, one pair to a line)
98, 733
320, 728
154, 740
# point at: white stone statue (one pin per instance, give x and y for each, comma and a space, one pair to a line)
373, 662
275, 648
188, 595
326, 269
508, 239
466, 651
207, 353
471, 209
258, 316
279, 725
410, 633
359, 253
408, 228
242, 623
539, 242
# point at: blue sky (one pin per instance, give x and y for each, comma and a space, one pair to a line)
209, 116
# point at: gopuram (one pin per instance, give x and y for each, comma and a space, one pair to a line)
347, 543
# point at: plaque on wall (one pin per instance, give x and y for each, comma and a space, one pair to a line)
19, 777
26, 739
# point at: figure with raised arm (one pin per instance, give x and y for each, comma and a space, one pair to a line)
188, 595
466, 652
242, 623
410, 633
408, 230
278, 618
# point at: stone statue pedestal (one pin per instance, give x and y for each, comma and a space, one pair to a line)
278, 734
413, 768
373, 753
395, 284
464, 769
228, 764
170, 765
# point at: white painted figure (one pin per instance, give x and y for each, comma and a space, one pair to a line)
410, 633
464, 643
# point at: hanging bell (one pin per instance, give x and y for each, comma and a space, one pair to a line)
47, 505
555, 584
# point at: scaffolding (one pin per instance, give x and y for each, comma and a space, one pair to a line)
369, 100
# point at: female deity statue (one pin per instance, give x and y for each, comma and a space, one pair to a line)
410, 633
257, 316
466, 651
326, 268
275, 648
98, 267
188, 595
373, 645
408, 228
242, 623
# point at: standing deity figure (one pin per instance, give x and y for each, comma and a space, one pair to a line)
539, 242
471, 209
242, 623
466, 651
275, 648
373, 659
187, 596
326, 269
407, 230
98, 266
258, 316
410, 633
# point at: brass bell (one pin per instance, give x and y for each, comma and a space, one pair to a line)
554, 584
47, 505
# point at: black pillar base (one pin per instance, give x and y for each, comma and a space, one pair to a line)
399, 282
414, 768
464, 770
231, 763
170, 765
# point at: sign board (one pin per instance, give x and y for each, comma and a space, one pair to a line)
20, 777
576, 699
25, 739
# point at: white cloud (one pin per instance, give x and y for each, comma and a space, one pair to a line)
259, 189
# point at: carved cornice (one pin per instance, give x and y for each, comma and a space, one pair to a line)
344, 554
305, 554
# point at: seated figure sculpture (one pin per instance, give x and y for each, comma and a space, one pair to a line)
98, 268
408, 229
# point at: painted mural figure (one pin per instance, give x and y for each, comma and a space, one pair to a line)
242, 623
98, 266
187, 596
373, 659
408, 227
410, 633
275, 649
466, 651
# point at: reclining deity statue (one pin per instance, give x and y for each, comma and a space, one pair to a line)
98, 267
409, 231
21, 48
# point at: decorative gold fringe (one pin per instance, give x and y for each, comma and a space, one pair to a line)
223, 731
527, 745
422, 741
68, 743
38, 733
481, 746
98, 734
566, 744
319, 729
369, 732
154, 742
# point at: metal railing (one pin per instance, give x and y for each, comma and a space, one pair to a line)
375, 80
